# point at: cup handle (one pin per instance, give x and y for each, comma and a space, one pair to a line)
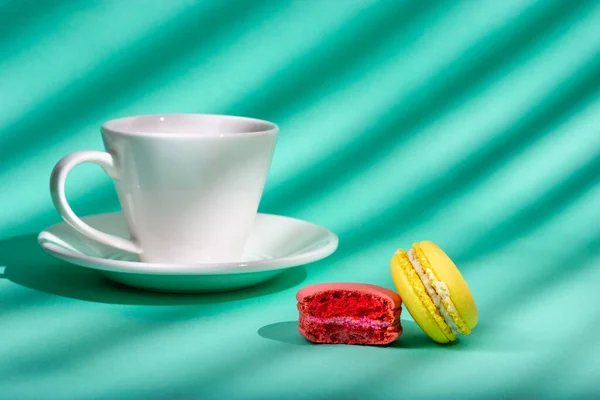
57, 190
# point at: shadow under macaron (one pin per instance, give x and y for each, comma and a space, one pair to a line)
412, 336
285, 332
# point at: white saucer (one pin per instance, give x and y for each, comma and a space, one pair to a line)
275, 244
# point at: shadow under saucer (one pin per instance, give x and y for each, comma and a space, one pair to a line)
26, 264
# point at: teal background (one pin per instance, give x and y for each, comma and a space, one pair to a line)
475, 124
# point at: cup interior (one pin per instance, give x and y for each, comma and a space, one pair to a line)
188, 124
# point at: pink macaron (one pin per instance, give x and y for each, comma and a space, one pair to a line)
349, 313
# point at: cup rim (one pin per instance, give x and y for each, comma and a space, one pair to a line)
110, 126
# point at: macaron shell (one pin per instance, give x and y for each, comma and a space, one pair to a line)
413, 303
447, 272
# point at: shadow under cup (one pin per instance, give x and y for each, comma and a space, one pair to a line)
189, 185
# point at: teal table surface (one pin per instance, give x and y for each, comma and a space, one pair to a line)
472, 124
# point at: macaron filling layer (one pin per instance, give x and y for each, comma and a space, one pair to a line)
362, 322
429, 282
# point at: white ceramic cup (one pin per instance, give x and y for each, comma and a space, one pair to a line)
189, 184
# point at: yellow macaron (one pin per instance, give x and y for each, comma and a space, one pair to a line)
434, 292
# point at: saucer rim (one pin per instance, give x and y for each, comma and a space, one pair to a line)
331, 243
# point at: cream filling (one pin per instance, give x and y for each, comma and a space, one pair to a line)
439, 295
362, 322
